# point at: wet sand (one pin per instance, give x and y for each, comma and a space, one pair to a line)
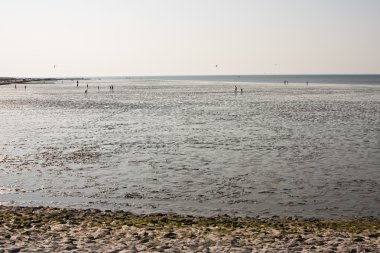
192, 147
44, 229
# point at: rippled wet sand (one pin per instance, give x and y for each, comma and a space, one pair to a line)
192, 147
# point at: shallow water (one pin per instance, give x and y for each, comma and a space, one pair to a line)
192, 147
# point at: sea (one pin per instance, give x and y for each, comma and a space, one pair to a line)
192, 145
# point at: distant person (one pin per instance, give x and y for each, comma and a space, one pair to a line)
307, 83
15, 86
241, 91
85, 92
87, 86
77, 83
25, 87
284, 82
98, 87
235, 88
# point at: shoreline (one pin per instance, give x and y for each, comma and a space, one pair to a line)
91, 230
11, 80
7, 81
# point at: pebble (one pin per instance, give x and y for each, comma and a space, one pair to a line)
96, 231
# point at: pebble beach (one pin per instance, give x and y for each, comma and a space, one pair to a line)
45, 229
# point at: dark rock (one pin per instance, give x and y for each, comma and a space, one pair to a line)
70, 247
359, 239
14, 250
170, 235
145, 240
300, 238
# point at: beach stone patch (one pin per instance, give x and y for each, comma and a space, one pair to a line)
45, 229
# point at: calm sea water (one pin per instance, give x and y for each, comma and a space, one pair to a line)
194, 146
274, 79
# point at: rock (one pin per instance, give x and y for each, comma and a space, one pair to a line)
58, 227
70, 246
133, 249
145, 240
14, 250
170, 235
310, 241
359, 239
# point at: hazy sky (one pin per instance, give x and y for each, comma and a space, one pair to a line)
188, 37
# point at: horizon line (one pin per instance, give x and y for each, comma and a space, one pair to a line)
185, 75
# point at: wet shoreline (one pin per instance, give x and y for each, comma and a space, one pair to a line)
192, 148
7, 81
26, 229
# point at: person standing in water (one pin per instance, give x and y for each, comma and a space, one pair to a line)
241, 91
307, 83
77, 83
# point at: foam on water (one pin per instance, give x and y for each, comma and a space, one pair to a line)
192, 147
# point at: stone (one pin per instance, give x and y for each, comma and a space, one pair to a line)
170, 235
14, 250
359, 239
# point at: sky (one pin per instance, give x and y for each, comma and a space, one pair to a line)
188, 37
